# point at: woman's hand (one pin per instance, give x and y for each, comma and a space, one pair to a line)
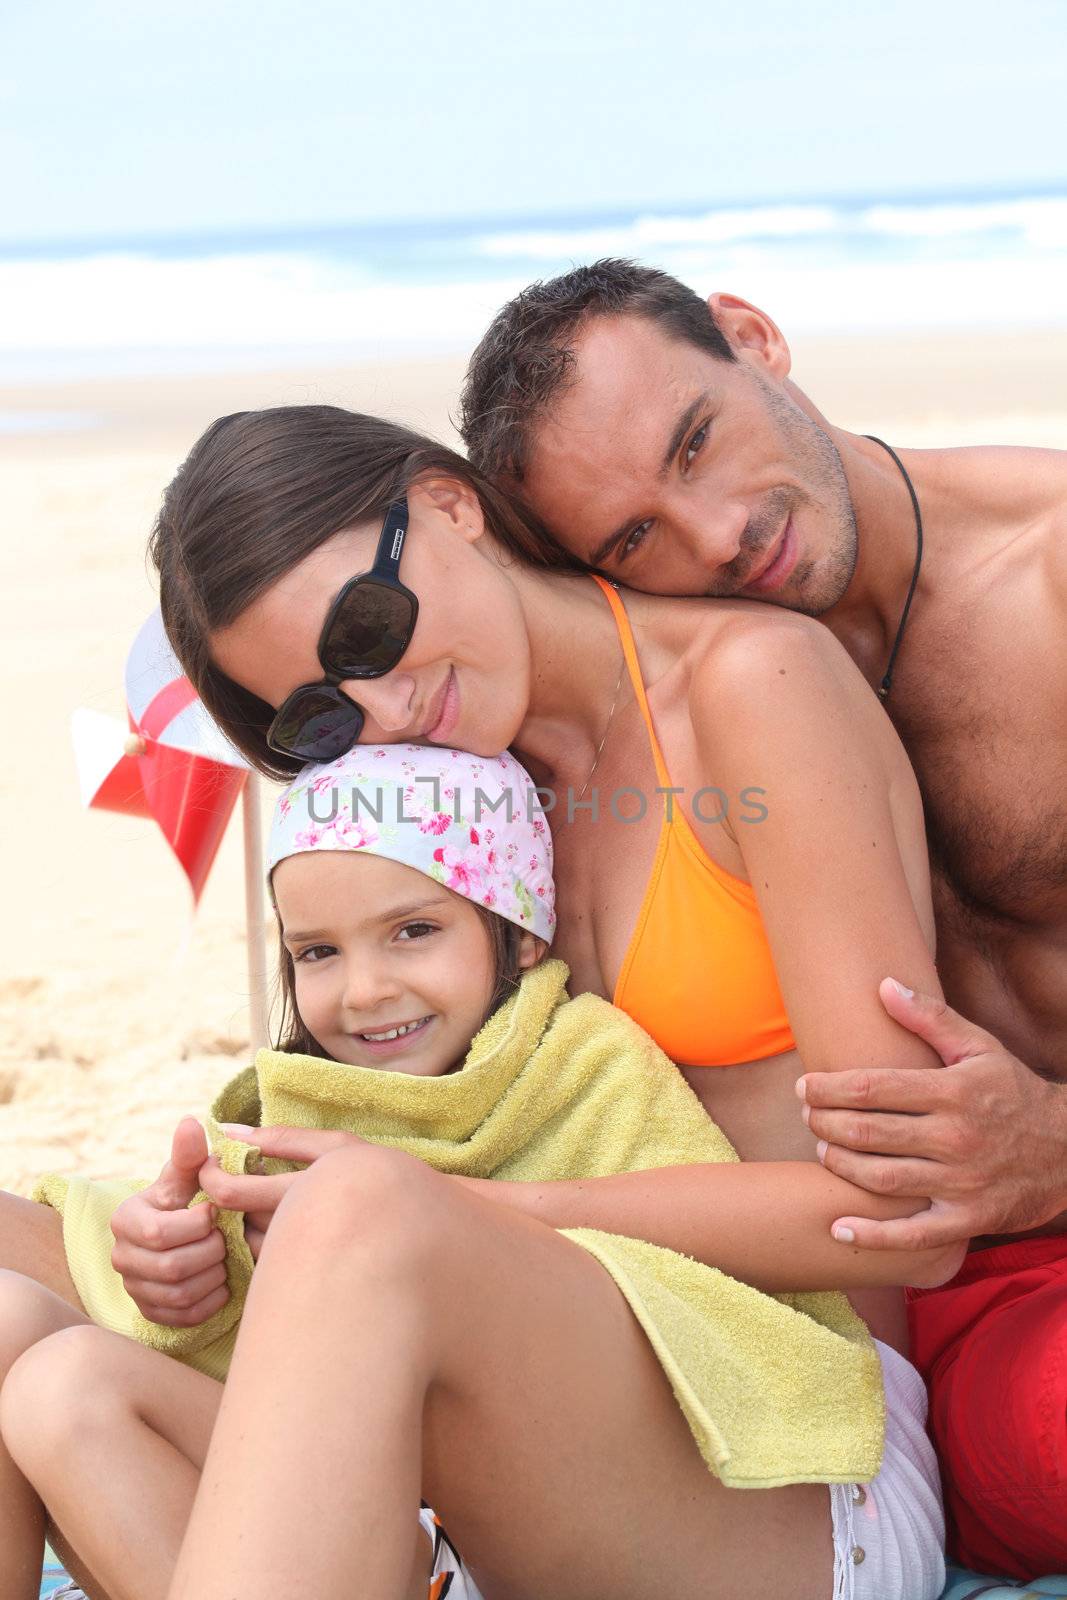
258, 1196
172, 1257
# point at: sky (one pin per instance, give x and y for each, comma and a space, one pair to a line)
218, 115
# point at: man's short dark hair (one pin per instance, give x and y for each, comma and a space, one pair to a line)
526, 357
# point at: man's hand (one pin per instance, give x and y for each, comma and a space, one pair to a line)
172, 1259
259, 1197
984, 1139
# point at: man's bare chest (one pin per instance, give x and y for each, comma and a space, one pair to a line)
985, 725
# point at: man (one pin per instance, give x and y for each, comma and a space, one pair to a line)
662, 441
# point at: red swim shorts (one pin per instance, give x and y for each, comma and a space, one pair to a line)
992, 1346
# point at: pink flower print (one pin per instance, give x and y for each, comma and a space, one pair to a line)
353, 834
511, 852
309, 839
379, 755
438, 823
439, 855
474, 836
285, 805
464, 878
489, 835
322, 783
489, 899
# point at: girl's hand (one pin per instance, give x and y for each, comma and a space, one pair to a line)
172, 1259
257, 1196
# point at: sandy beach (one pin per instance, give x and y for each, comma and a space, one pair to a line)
120, 1011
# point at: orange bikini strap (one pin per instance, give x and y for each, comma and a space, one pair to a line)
629, 650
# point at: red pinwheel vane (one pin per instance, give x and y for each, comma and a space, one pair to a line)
175, 765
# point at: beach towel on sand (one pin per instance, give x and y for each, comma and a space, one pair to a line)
781, 1389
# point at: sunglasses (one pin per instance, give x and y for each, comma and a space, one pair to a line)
367, 629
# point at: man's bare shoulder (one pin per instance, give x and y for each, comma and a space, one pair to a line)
1002, 481
999, 513
1031, 487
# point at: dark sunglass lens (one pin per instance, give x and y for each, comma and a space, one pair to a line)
316, 725
370, 631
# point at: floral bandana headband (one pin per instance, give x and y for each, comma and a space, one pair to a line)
471, 823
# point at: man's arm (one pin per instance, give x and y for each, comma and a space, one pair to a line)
985, 1139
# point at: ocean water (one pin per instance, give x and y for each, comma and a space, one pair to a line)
264, 299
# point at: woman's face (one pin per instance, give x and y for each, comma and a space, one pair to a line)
464, 680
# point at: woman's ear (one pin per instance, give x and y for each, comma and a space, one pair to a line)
751, 334
452, 499
531, 950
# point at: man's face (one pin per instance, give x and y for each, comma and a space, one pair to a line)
679, 473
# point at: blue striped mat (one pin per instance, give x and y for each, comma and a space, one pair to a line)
961, 1585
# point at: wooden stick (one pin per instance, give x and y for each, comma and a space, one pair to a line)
255, 928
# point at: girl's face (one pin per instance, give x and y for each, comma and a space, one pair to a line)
378, 947
464, 681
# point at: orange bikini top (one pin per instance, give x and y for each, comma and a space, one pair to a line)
698, 974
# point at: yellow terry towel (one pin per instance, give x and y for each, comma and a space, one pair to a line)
782, 1389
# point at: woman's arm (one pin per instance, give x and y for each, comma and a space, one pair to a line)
838, 863
838, 867
765, 1222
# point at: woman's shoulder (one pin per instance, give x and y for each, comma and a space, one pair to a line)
763, 655
776, 684
759, 680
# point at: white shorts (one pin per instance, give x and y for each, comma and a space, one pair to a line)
889, 1535
448, 1575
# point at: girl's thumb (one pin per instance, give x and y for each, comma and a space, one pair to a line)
189, 1147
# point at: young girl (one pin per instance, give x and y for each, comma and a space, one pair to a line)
414, 891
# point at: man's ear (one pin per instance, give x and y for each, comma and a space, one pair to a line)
752, 335
531, 950
453, 499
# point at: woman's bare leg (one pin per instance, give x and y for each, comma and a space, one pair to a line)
113, 1437
403, 1332
31, 1242
28, 1313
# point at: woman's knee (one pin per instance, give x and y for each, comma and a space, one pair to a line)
28, 1313
57, 1390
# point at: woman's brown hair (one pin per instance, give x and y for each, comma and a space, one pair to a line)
258, 492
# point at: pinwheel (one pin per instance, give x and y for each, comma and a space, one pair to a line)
174, 765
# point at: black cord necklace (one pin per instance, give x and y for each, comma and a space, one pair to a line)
887, 682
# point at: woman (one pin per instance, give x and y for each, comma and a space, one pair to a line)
809, 888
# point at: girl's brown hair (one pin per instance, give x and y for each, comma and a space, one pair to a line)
258, 492
505, 940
